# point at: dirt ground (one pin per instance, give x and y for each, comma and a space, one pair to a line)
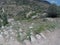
52, 38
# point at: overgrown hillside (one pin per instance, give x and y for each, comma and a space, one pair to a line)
22, 7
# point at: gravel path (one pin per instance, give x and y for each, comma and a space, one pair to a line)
52, 38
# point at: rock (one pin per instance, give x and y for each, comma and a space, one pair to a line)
6, 32
33, 17
20, 30
27, 42
42, 35
1, 20
33, 39
43, 15
38, 36
49, 19
12, 33
1, 36
12, 38
11, 26
1, 33
31, 27
10, 20
10, 30
28, 14
32, 24
2, 27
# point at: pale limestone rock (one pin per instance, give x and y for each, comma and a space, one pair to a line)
20, 30
2, 27
28, 14
1, 36
10, 20
5, 32
33, 17
38, 36
33, 39
1, 33
49, 19
32, 24
27, 42
42, 35
31, 27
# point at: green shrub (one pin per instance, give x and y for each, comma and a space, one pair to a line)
52, 11
4, 18
0, 24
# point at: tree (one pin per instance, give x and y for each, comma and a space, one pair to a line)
0, 23
58, 11
3, 17
52, 11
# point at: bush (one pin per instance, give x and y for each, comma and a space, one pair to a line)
58, 11
3, 17
0, 24
52, 11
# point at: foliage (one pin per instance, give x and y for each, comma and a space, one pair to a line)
0, 24
58, 11
52, 10
3, 18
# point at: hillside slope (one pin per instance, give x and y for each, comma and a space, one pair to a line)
15, 7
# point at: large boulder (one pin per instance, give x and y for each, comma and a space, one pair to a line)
29, 14
44, 15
